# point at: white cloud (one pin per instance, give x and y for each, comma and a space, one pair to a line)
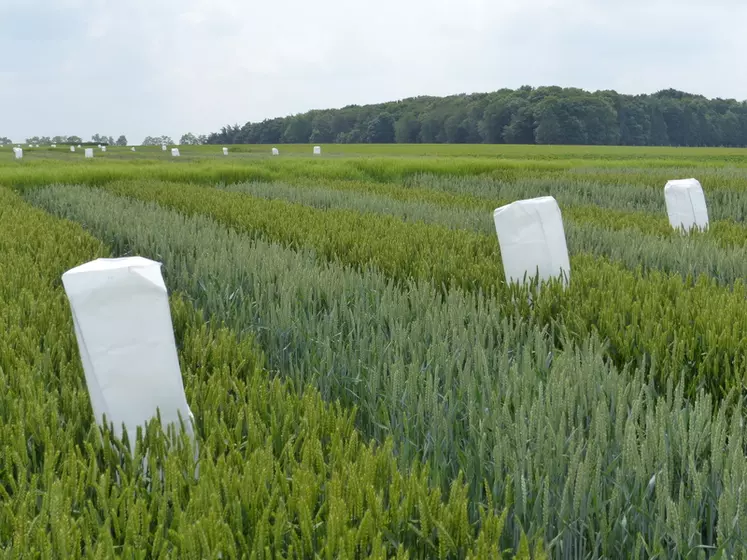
167, 67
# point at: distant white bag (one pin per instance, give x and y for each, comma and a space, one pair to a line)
125, 335
317, 150
532, 239
163, 147
72, 148
18, 152
54, 145
133, 148
103, 148
89, 152
79, 145
175, 152
686, 205
225, 151
275, 152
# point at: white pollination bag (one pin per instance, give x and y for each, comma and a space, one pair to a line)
275, 152
125, 335
686, 205
225, 151
103, 148
532, 239
18, 152
72, 148
317, 150
133, 148
54, 145
89, 152
175, 152
163, 147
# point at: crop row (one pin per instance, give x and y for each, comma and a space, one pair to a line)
598, 233
725, 198
403, 171
581, 203
595, 460
279, 472
683, 329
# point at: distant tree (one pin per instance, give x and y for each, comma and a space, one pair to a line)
321, 129
5, 140
496, 117
432, 127
342, 122
380, 129
271, 131
456, 128
407, 129
59, 140
549, 130
520, 130
635, 123
157, 141
247, 134
546, 115
298, 130
674, 118
600, 120
121, 141
74, 139
730, 127
188, 139
202, 139
659, 135
99, 139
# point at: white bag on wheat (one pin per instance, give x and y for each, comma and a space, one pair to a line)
532, 239
686, 204
125, 335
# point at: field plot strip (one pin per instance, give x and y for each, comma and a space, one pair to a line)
592, 459
595, 234
484, 195
302, 477
687, 329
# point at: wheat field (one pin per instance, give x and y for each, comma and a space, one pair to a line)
364, 382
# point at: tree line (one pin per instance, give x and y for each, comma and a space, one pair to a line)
95, 139
187, 139
544, 115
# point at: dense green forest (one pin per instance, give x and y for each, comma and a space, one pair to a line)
544, 115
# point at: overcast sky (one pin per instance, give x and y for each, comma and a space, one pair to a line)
152, 67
